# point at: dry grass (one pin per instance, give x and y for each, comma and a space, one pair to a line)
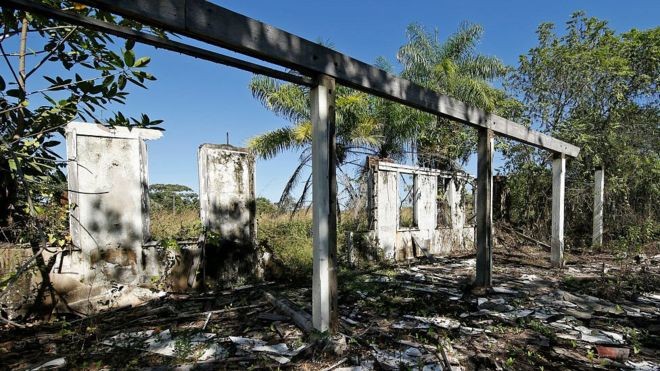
182, 225
289, 240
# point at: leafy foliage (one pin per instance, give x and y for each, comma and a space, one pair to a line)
80, 77
455, 69
174, 197
598, 90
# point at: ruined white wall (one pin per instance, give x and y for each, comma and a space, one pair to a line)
108, 193
227, 207
386, 201
401, 243
226, 190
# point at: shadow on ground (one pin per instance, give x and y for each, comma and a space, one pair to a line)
604, 313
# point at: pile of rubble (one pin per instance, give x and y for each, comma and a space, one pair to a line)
599, 312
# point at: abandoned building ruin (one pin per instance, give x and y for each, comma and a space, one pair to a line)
109, 198
109, 219
321, 68
437, 201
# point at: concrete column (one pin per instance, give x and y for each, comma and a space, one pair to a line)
226, 192
599, 197
484, 217
324, 193
227, 209
108, 191
558, 180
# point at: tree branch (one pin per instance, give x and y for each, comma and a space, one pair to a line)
45, 58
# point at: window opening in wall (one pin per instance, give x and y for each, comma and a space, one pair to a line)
407, 193
468, 200
442, 200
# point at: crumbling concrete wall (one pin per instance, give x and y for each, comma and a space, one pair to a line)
109, 224
427, 236
108, 195
227, 204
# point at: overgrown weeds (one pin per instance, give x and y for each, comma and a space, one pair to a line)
288, 238
184, 224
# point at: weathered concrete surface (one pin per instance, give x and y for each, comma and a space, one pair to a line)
108, 194
558, 193
227, 204
427, 236
599, 198
63, 291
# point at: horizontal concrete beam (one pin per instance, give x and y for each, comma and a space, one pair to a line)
159, 42
219, 26
408, 169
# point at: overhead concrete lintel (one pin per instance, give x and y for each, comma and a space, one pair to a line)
118, 132
208, 22
408, 169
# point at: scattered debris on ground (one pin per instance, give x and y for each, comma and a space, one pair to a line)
600, 314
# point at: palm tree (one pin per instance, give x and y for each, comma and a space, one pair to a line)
360, 120
455, 69
374, 126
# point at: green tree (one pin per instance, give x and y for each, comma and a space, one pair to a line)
453, 68
598, 90
374, 126
264, 206
172, 196
365, 125
55, 73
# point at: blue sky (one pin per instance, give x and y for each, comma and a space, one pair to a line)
201, 101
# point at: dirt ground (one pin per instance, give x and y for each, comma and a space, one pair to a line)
599, 312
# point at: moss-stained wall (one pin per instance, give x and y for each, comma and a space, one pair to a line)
227, 204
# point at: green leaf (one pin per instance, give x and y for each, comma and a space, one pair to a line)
12, 93
130, 44
129, 57
142, 62
121, 82
2, 83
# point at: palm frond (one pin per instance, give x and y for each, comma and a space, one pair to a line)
462, 42
293, 180
303, 195
483, 67
475, 91
271, 143
302, 132
287, 100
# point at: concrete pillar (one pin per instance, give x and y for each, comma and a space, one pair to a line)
387, 221
599, 197
484, 217
227, 209
324, 193
226, 191
558, 181
425, 203
109, 198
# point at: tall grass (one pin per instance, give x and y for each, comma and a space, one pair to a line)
184, 224
288, 238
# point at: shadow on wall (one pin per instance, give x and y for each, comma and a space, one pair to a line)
233, 258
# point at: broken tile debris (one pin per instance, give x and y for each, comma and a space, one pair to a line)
404, 316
